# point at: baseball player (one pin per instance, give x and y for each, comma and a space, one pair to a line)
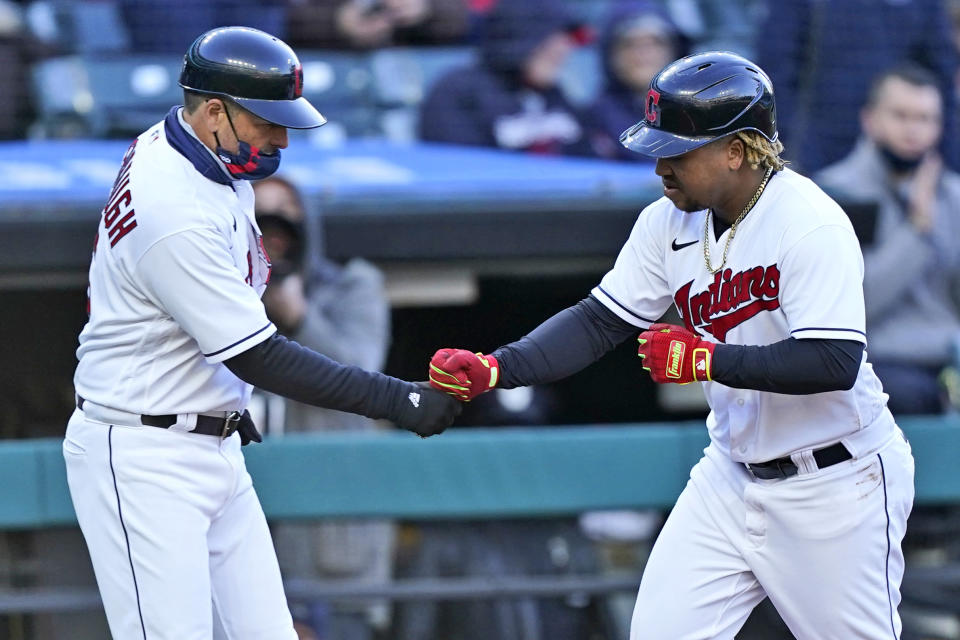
803, 494
176, 337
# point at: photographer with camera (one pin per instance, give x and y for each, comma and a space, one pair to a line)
341, 312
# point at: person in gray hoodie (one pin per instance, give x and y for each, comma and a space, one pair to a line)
912, 266
343, 313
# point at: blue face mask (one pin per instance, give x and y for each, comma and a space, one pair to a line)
248, 163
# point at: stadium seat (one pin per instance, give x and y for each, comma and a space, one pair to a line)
105, 97
120, 96
402, 76
582, 75
340, 85
94, 26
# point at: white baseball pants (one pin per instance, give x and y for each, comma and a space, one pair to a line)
824, 547
173, 525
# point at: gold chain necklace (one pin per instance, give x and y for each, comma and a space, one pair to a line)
733, 227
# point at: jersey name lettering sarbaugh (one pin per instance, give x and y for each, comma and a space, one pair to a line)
730, 300
118, 215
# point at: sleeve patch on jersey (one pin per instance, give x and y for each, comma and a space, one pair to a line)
618, 303
241, 340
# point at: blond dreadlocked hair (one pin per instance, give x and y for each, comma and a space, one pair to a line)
762, 152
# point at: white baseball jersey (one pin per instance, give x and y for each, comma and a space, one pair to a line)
794, 269
175, 286
822, 545
170, 517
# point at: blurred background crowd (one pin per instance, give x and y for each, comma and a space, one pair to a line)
867, 104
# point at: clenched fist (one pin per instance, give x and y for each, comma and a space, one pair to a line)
674, 354
426, 412
463, 374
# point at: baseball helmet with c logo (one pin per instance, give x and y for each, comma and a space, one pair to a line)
697, 99
259, 72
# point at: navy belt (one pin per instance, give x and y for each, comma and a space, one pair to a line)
785, 467
206, 425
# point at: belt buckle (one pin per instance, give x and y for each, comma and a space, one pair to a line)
230, 424
786, 468
780, 470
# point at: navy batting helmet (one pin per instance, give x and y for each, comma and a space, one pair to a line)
259, 72
697, 99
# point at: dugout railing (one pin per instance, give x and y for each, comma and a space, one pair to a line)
465, 473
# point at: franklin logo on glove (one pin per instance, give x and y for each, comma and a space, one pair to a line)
676, 359
675, 354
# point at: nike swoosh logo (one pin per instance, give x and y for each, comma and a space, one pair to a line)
677, 247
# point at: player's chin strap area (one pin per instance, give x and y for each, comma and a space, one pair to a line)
222, 423
249, 162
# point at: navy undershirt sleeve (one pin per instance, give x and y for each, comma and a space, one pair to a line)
580, 335
791, 366
564, 344
286, 368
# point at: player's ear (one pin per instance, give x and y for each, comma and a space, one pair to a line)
736, 153
213, 111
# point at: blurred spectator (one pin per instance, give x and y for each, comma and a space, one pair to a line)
368, 24
822, 55
342, 313
638, 40
169, 26
18, 50
718, 25
510, 99
912, 269
953, 9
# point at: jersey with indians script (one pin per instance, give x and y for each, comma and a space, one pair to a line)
793, 269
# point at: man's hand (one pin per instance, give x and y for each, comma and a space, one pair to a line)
408, 13
362, 27
923, 194
286, 302
248, 430
674, 354
426, 412
463, 374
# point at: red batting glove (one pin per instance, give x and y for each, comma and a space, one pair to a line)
463, 374
674, 354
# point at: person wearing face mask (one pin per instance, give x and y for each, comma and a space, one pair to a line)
177, 337
639, 39
510, 98
912, 267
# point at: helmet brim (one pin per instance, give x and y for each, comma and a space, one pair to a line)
292, 114
657, 143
